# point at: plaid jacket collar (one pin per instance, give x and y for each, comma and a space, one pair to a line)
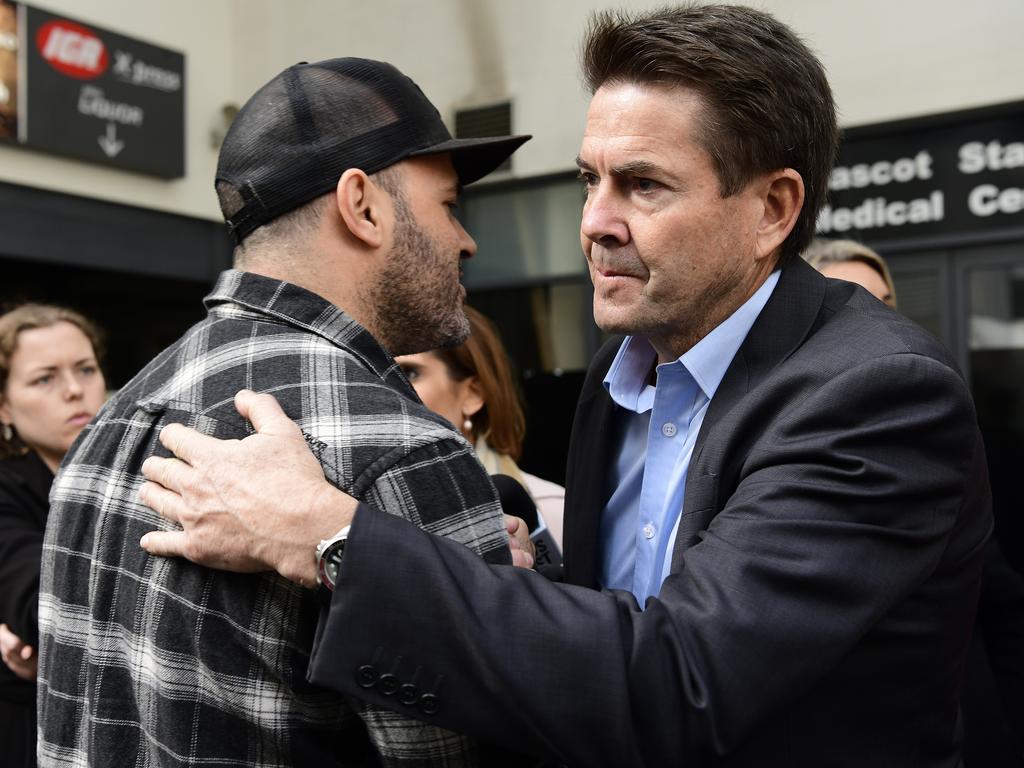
301, 308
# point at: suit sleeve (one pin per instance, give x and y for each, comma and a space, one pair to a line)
21, 546
442, 489
874, 467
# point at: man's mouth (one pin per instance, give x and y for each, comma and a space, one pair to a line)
613, 272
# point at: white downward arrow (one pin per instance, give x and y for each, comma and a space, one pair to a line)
109, 143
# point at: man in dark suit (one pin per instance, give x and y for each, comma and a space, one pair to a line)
777, 482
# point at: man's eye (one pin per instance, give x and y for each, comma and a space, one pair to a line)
411, 373
588, 179
453, 207
645, 185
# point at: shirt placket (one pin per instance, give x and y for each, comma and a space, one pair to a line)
666, 440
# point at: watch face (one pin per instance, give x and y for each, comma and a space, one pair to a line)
330, 562
329, 553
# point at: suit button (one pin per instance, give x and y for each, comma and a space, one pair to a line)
387, 684
429, 704
408, 694
366, 676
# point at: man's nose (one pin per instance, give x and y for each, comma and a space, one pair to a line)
604, 219
467, 245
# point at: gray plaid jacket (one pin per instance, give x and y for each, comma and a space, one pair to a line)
148, 661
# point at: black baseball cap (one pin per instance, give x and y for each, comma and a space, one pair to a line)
301, 131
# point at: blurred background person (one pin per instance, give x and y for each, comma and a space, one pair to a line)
50, 387
992, 701
854, 262
471, 385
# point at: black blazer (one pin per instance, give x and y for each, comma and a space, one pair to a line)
24, 490
823, 585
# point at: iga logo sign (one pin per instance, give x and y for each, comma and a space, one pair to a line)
72, 49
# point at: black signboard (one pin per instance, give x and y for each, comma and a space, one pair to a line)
8, 71
949, 174
85, 92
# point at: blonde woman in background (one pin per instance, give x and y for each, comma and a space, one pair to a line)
854, 262
471, 385
50, 388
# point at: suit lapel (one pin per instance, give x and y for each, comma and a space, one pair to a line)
589, 460
787, 319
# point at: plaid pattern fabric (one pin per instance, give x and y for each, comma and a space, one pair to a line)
148, 661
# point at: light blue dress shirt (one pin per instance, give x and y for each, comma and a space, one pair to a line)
657, 428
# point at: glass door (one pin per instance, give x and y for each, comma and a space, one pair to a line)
991, 283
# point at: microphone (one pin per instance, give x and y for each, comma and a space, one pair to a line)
515, 500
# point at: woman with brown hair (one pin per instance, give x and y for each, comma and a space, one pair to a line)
50, 388
471, 385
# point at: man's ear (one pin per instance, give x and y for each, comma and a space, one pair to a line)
783, 196
362, 205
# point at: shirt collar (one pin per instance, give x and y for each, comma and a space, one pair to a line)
707, 361
298, 307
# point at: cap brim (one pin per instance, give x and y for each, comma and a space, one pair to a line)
475, 158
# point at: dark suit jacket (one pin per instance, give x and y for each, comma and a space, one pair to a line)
824, 577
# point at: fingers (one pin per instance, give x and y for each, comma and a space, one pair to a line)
170, 473
265, 414
165, 543
521, 559
519, 542
186, 443
27, 652
9, 641
164, 502
518, 532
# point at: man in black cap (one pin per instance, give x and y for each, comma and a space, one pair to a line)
338, 182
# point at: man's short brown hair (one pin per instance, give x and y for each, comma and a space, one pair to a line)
767, 101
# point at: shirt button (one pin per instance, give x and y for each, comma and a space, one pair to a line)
668, 429
648, 530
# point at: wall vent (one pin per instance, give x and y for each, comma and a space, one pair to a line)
482, 122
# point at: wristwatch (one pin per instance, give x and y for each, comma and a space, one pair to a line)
328, 557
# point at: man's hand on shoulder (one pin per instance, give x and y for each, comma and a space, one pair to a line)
256, 504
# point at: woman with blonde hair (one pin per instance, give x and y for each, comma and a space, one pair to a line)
50, 388
471, 385
854, 262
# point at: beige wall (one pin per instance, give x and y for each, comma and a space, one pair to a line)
886, 58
